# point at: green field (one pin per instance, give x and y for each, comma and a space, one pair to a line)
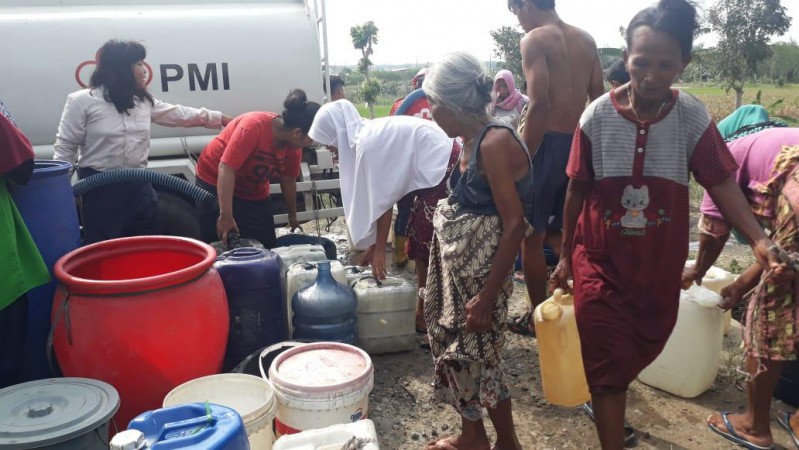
380, 110
719, 102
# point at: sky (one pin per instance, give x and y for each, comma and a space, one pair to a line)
421, 31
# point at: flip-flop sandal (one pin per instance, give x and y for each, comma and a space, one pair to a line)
732, 436
520, 325
630, 438
784, 418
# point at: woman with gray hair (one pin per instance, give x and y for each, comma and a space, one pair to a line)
478, 231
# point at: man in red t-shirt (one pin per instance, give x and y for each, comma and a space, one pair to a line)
239, 163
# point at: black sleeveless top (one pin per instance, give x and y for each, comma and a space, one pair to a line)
471, 190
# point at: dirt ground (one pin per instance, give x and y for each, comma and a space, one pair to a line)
407, 416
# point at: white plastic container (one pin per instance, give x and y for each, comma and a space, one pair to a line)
386, 315
362, 433
689, 363
717, 279
299, 253
250, 396
355, 273
320, 384
303, 274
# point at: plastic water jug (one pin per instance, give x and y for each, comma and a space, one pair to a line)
688, 364
361, 433
297, 254
717, 279
195, 425
386, 313
251, 277
303, 274
220, 246
562, 372
325, 310
355, 273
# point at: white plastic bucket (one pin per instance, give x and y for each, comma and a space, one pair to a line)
250, 396
320, 384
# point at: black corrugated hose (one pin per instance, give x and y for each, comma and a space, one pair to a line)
169, 182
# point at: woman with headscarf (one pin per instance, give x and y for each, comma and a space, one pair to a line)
380, 161
508, 101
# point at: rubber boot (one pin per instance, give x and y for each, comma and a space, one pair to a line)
400, 257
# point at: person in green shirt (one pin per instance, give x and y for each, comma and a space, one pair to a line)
21, 265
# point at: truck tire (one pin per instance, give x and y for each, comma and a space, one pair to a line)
179, 216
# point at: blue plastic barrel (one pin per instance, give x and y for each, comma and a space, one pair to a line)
325, 310
48, 208
255, 297
194, 425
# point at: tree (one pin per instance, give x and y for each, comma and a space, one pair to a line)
363, 38
745, 28
370, 91
784, 64
506, 41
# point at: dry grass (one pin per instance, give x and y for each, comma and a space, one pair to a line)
721, 104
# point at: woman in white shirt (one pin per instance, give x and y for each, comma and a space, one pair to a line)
108, 127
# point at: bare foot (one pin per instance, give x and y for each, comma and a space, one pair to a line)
742, 426
459, 443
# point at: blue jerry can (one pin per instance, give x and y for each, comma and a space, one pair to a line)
194, 425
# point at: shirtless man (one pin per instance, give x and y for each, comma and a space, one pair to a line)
563, 72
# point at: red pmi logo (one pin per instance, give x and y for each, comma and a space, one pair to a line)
81, 72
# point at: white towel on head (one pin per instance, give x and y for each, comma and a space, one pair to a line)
380, 161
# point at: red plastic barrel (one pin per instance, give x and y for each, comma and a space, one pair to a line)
144, 314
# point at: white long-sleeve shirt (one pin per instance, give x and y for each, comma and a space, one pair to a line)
95, 135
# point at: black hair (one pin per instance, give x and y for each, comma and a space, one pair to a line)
543, 5
677, 18
298, 112
617, 72
114, 72
335, 83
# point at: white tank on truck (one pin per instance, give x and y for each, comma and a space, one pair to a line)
233, 57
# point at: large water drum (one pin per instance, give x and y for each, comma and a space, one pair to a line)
144, 314
48, 209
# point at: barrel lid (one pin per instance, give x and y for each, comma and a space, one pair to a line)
50, 411
321, 366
